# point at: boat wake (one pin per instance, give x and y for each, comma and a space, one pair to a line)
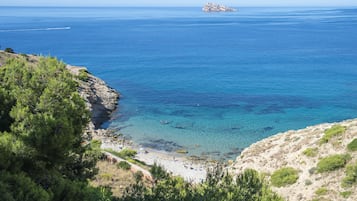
37, 29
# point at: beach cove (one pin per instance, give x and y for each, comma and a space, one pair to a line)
211, 84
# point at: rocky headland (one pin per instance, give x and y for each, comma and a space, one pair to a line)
302, 150
212, 7
101, 100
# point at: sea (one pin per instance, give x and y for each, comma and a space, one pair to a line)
208, 83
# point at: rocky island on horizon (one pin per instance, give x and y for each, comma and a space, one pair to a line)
212, 7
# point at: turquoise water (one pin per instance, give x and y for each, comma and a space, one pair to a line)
209, 83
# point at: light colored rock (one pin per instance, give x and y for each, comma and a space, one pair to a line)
212, 7
286, 150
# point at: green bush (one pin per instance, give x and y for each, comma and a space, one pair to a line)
333, 162
310, 152
346, 194
352, 146
127, 153
123, 165
332, 132
351, 176
9, 50
284, 176
83, 75
138, 176
321, 191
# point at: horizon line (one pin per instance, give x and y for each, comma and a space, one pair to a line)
173, 6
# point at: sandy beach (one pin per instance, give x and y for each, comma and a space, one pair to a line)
176, 164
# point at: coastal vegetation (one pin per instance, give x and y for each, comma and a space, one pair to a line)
123, 165
351, 176
284, 176
352, 146
310, 152
333, 162
334, 131
219, 185
42, 118
9, 50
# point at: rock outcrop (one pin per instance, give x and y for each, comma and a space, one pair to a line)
101, 100
287, 150
212, 7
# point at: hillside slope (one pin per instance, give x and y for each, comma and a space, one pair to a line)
302, 150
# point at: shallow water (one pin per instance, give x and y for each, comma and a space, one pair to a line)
209, 83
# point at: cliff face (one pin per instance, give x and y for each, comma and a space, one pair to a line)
101, 100
287, 150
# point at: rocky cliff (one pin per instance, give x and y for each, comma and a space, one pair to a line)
101, 100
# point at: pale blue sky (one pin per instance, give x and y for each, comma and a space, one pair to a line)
177, 2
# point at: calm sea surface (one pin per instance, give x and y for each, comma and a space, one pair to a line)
210, 83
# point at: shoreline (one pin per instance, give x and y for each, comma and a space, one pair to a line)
174, 163
102, 101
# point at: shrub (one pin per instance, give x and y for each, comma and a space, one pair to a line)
332, 132
123, 165
310, 152
138, 176
352, 146
308, 182
346, 194
95, 144
127, 153
333, 162
9, 50
321, 191
83, 75
284, 176
351, 176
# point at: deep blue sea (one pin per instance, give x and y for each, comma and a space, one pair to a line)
212, 83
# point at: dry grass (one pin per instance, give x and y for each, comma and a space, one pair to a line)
116, 178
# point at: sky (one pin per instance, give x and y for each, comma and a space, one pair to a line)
321, 3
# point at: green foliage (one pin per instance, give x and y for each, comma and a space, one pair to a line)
346, 194
249, 186
83, 75
352, 146
332, 132
310, 152
123, 165
9, 50
95, 144
332, 162
124, 154
284, 176
321, 191
138, 176
19, 187
351, 176
42, 118
158, 172
127, 153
